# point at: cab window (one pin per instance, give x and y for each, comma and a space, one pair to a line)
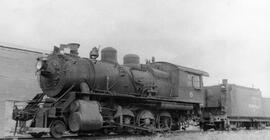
194, 81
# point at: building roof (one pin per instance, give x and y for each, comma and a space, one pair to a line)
22, 48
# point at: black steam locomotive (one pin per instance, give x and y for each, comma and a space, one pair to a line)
86, 95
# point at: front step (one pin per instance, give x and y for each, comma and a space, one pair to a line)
37, 130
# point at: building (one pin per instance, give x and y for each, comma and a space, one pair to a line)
17, 78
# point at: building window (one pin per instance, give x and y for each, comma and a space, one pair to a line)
194, 81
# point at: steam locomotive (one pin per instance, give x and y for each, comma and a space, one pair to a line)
86, 95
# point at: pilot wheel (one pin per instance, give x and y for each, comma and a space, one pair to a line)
57, 129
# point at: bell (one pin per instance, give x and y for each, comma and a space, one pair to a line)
94, 53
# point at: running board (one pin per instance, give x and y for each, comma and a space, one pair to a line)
151, 130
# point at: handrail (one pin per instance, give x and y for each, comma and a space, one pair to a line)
63, 95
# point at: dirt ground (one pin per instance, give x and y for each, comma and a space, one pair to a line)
217, 135
232, 135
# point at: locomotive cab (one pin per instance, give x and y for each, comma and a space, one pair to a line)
186, 84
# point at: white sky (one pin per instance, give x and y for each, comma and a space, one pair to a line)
227, 38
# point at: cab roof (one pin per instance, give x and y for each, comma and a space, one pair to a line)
186, 69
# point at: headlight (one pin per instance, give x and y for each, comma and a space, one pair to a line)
39, 65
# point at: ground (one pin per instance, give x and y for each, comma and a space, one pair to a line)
217, 135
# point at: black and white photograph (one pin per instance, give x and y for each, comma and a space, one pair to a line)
135, 69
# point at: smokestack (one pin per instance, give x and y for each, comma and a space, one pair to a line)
74, 48
71, 48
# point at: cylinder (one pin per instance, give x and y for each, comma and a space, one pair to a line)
131, 59
74, 48
74, 106
87, 117
74, 121
109, 54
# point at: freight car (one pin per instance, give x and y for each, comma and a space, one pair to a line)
229, 106
86, 95
266, 109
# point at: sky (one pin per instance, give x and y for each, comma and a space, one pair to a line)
227, 38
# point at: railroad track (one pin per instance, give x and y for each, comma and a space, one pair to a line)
102, 137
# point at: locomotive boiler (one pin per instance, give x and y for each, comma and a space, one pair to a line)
87, 95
